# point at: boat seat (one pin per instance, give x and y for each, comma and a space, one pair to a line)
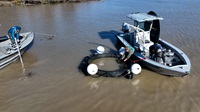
145, 47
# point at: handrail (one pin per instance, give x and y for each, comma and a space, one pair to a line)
138, 30
134, 27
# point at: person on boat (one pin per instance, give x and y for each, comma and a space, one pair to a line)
126, 28
128, 53
157, 54
160, 57
13, 34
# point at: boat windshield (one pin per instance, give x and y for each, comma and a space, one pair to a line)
146, 25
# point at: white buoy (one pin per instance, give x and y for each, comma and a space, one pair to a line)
136, 69
100, 50
122, 50
92, 69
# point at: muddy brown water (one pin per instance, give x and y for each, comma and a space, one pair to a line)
54, 83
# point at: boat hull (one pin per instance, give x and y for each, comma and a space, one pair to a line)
165, 70
181, 65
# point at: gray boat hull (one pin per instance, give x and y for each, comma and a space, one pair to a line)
181, 64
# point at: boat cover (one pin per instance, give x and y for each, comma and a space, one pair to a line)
141, 17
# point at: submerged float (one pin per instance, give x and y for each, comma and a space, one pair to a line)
142, 35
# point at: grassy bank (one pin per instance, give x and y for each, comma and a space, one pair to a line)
32, 2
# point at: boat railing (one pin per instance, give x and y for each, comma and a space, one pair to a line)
137, 30
143, 39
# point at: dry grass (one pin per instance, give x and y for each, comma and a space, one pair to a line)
29, 2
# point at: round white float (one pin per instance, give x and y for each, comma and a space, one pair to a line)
92, 69
100, 50
136, 69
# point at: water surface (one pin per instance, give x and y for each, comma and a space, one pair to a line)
54, 82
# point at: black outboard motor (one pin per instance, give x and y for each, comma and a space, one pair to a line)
126, 28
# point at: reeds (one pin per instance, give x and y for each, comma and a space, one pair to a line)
29, 2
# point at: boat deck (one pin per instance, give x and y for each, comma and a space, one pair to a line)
4, 46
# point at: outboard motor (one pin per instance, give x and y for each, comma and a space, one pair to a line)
13, 34
126, 28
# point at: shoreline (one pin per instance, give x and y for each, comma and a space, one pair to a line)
36, 2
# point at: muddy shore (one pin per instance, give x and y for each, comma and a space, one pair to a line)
34, 2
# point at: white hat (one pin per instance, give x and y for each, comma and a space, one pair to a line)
159, 50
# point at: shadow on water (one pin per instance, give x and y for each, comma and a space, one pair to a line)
107, 35
92, 50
